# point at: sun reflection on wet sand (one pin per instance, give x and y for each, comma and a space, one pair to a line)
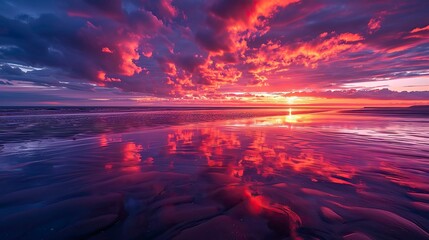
283, 121
291, 118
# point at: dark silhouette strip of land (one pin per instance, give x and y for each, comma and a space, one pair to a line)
414, 111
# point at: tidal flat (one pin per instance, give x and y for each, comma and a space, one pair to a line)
213, 174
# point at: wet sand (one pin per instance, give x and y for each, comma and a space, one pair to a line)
292, 175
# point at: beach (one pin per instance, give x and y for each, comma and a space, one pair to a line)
284, 174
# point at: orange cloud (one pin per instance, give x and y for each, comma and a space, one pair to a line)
128, 54
170, 69
101, 75
218, 73
253, 14
272, 56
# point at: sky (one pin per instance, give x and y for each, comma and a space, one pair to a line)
214, 52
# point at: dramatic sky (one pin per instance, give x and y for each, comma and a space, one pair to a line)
161, 52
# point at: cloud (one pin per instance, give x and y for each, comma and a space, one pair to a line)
231, 23
375, 94
416, 30
106, 50
179, 49
374, 24
5, 83
274, 57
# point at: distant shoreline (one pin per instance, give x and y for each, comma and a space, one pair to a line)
417, 110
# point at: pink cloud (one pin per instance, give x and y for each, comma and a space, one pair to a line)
170, 68
218, 73
147, 54
101, 75
416, 30
106, 50
276, 57
128, 53
168, 8
374, 24
232, 23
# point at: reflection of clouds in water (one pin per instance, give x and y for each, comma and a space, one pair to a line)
131, 156
105, 139
132, 152
179, 136
242, 152
214, 143
312, 180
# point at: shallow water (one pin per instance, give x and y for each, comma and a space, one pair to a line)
290, 176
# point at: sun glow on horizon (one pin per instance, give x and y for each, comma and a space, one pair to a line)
291, 100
